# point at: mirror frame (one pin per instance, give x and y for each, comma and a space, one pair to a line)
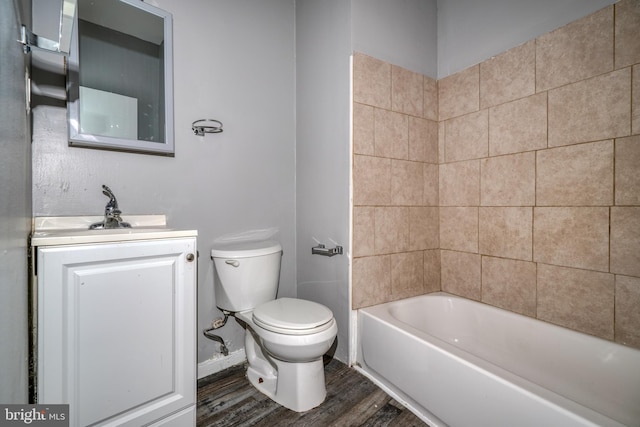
67, 20
79, 139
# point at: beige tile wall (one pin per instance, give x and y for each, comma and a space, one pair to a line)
396, 237
515, 182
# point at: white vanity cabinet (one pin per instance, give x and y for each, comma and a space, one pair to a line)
116, 329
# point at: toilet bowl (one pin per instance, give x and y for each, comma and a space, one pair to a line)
286, 338
294, 373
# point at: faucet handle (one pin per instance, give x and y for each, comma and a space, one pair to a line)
112, 198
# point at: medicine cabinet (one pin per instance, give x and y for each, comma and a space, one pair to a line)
120, 77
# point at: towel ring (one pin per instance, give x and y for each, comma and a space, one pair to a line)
210, 126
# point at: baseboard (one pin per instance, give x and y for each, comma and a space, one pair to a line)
218, 364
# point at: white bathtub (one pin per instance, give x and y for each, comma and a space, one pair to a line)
460, 363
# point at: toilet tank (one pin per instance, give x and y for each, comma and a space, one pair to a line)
246, 274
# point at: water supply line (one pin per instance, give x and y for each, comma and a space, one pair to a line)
216, 324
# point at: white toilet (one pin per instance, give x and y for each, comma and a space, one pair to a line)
285, 338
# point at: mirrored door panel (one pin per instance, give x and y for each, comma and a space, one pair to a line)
120, 77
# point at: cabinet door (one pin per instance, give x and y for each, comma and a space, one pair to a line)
116, 330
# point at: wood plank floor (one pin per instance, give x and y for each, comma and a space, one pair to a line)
228, 399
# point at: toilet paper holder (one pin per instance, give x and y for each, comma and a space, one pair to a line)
322, 250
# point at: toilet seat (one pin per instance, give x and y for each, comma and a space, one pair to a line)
292, 316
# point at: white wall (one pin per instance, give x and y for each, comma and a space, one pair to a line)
441, 37
15, 206
327, 33
233, 61
401, 32
323, 156
470, 31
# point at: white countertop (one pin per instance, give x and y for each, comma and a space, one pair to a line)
70, 230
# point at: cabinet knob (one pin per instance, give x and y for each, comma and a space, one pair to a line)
190, 257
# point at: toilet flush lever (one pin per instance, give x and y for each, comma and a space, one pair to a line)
233, 262
322, 250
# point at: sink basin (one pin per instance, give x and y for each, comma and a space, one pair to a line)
69, 230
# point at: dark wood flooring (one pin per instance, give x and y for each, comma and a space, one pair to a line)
228, 399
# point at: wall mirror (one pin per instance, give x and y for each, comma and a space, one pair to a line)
120, 78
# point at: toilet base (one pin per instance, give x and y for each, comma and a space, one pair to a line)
299, 386
296, 386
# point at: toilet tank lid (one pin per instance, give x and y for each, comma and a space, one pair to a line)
245, 249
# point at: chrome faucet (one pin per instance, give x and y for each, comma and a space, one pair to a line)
111, 213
